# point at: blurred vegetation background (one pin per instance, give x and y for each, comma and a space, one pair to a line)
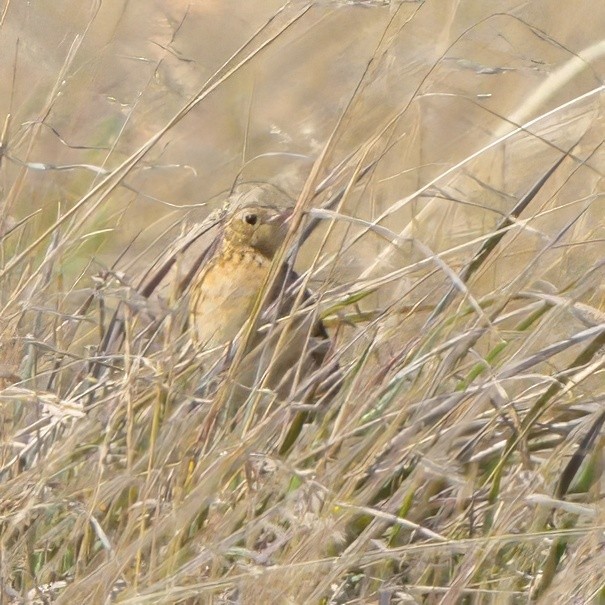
90, 85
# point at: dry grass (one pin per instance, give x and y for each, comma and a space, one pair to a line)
455, 244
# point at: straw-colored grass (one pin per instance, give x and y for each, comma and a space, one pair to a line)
445, 163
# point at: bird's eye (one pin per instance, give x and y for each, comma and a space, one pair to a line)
251, 219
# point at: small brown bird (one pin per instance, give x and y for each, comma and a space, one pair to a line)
226, 289
225, 292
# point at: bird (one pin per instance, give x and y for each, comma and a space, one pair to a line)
282, 350
224, 293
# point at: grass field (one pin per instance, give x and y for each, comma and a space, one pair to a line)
444, 161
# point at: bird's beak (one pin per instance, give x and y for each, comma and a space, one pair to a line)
282, 217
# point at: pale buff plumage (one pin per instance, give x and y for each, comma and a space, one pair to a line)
225, 292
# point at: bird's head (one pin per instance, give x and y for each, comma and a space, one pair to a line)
260, 227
